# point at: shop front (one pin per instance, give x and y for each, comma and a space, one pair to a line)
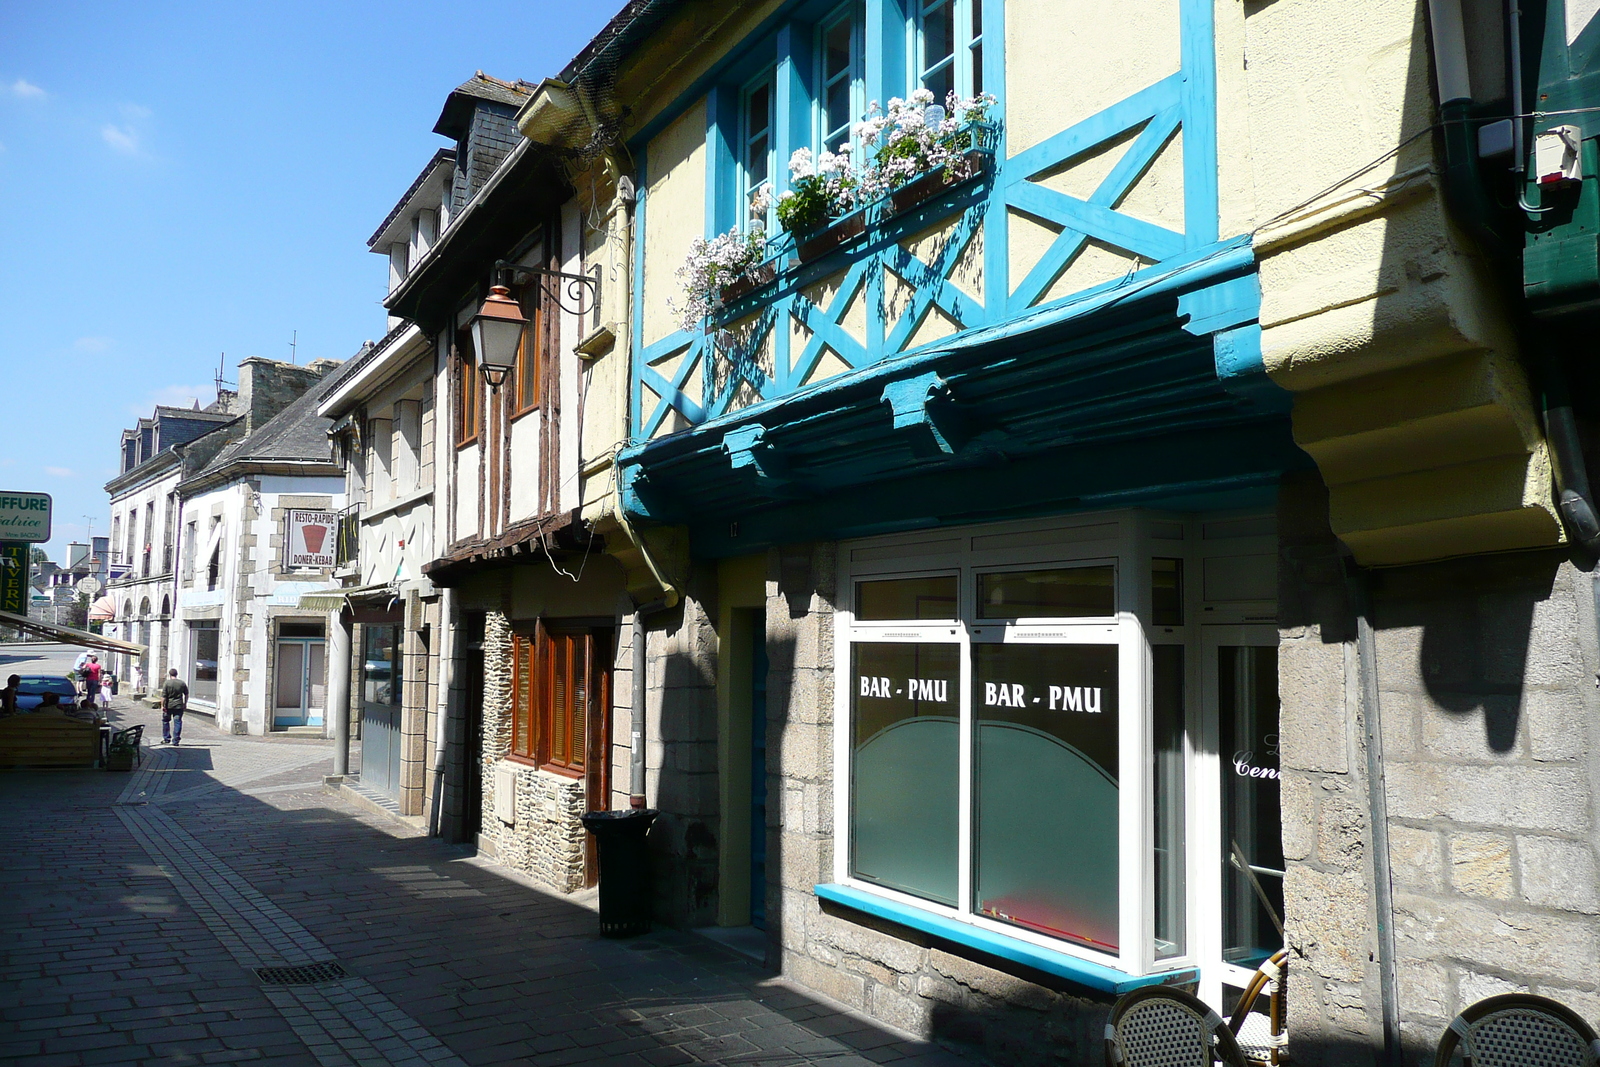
1019, 629
1059, 739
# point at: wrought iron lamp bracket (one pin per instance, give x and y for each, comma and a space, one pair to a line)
582, 289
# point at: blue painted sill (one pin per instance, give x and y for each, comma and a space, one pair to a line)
1082, 972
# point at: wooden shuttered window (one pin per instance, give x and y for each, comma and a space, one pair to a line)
531, 347
467, 393
560, 697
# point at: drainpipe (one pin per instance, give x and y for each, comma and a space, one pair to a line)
339, 691
1470, 203
627, 195
1472, 207
1377, 813
1573, 492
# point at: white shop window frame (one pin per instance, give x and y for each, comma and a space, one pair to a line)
1119, 540
1133, 540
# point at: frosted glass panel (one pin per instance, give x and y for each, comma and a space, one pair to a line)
291, 674
904, 702
1047, 788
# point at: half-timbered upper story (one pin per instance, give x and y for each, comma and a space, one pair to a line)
1080, 282
1068, 257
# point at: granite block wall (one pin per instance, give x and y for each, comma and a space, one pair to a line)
1490, 741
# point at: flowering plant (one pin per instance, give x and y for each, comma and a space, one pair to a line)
915, 137
711, 267
819, 191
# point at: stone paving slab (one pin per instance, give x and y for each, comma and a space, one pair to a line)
135, 910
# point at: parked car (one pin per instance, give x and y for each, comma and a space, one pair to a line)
32, 688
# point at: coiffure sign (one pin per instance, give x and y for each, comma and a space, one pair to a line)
310, 540
24, 516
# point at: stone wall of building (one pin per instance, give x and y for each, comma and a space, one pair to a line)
1486, 672
681, 754
543, 836
891, 973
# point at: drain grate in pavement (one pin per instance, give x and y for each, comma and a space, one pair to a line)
310, 974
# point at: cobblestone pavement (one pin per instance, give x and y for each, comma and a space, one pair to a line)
138, 912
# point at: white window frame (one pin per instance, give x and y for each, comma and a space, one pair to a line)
853, 11
767, 79
1130, 540
964, 43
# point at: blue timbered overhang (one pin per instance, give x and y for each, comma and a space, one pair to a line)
1150, 392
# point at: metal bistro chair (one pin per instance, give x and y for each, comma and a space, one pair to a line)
128, 740
1263, 1036
1159, 1026
1519, 1030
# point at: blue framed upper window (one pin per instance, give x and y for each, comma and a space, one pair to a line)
949, 52
841, 78
756, 149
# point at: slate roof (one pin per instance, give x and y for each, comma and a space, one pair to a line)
440, 158
458, 105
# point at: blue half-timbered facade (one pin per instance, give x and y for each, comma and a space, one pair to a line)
919, 298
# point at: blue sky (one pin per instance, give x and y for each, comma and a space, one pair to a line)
180, 180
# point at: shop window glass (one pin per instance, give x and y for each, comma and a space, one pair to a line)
1167, 778
1166, 592
380, 665
1252, 831
907, 598
1047, 722
203, 671
904, 702
1075, 592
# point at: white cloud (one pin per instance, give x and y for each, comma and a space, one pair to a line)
177, 396
122, 138
59, 472
134, 112
26, 89
92, 344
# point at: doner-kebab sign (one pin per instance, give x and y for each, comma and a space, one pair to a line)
24, 516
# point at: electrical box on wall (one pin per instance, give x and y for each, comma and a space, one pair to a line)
1561, 257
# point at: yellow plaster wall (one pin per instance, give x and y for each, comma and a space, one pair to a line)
1065, 61
1377, 313
675, 214
1068, 59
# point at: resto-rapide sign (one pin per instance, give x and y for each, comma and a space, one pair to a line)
310, 539
24, 516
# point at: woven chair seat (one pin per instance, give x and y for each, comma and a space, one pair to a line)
1519, 1030
1161, 1027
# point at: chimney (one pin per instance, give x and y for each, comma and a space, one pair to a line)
267, 386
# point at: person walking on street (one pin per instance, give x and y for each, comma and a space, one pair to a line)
91, 680
8, 695
78, 666
174, 699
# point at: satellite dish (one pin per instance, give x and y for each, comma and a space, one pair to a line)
88, 586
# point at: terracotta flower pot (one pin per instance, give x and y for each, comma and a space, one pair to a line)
933, 183
820, 242
748, 283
